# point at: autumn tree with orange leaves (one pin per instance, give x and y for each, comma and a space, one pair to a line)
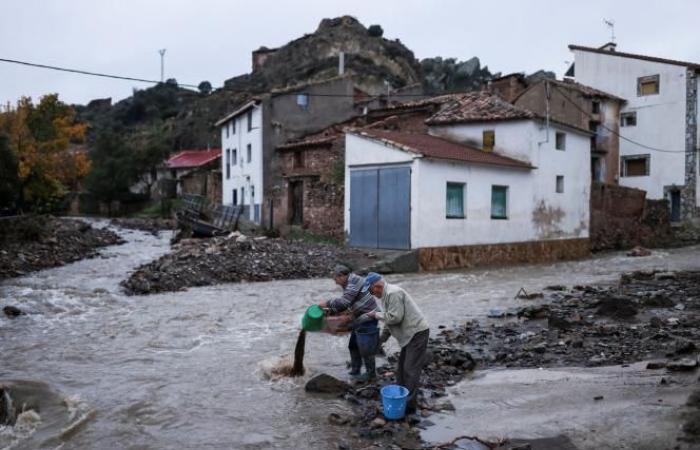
46, 143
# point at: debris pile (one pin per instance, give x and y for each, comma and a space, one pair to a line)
30, 243
232, 258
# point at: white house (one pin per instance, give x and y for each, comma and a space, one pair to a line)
658, 124
489, 182
242, 159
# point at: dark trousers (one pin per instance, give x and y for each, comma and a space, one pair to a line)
364, 341
411, 361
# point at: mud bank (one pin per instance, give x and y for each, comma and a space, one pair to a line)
236, 258
31, 243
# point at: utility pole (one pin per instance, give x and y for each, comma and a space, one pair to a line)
162, 63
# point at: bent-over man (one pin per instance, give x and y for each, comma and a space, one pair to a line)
404, 320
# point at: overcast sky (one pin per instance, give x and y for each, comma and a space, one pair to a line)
212, 39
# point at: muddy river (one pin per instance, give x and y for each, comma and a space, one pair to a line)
189, 369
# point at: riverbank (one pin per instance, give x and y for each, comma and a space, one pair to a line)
31, 243
238, 258
648, 316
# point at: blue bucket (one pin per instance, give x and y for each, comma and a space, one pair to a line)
394, 399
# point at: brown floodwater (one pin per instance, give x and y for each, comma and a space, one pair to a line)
191, 369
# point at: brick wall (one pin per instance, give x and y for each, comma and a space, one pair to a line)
622, 217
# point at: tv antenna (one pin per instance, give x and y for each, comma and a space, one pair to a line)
611, 24
162, 63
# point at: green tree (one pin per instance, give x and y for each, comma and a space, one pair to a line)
113, 169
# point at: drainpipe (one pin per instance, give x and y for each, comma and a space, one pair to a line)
547, 95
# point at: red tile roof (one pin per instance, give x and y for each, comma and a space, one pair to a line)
480, 106
192, 158
690, 65
435, 147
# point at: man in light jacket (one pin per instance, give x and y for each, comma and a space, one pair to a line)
404, 320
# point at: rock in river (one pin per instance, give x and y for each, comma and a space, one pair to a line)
326, 384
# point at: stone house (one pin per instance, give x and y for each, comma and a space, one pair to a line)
312, 195
251, 171
485, 182
658, 123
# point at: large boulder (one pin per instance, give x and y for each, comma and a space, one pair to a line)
326, 384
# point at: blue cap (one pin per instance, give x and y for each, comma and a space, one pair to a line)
370, 279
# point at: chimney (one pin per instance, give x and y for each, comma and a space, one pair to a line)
341, 63
610, 46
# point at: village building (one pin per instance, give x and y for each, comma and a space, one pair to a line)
313, 167
191, 172
250, 135
487, 182
658, 124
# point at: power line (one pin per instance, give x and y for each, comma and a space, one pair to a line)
648, 147
85, 72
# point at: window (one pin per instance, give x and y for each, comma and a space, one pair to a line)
593, 125
635, 165
298, 160
648, 85
499, 202
242, 196
249, 152
628, 119
489, 140
595, 107
455, 201
303, 101
227, 129
235, 197
249, 117
233, 126
234, 157
560, 141
228, 163
252, 194
560, 184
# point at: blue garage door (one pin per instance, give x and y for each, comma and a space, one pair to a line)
380, 208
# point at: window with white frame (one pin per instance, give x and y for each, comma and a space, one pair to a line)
628, 119
249, 152
647, 85
635, 165
455, 201
249, 118
234, 157
228, 163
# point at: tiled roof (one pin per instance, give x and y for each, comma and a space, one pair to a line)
310, 142
690, 65
428, 101
192, 158
478, 107
587, 91
435, 147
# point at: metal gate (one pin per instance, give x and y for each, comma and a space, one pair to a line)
380, 208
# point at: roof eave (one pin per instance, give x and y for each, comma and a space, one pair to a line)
237, 112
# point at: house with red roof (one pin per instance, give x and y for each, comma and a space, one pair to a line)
194, 172
487, 182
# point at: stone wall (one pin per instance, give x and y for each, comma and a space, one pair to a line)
469, 256
622, 217
689, 209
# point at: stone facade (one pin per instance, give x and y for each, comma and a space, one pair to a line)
689, 208
469, 256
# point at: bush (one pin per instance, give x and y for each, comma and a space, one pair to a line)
376, 31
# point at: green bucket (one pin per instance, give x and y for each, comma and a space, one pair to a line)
313, 319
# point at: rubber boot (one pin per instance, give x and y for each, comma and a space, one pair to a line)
355, 363
370, 367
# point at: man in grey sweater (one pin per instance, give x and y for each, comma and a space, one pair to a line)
404, 320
